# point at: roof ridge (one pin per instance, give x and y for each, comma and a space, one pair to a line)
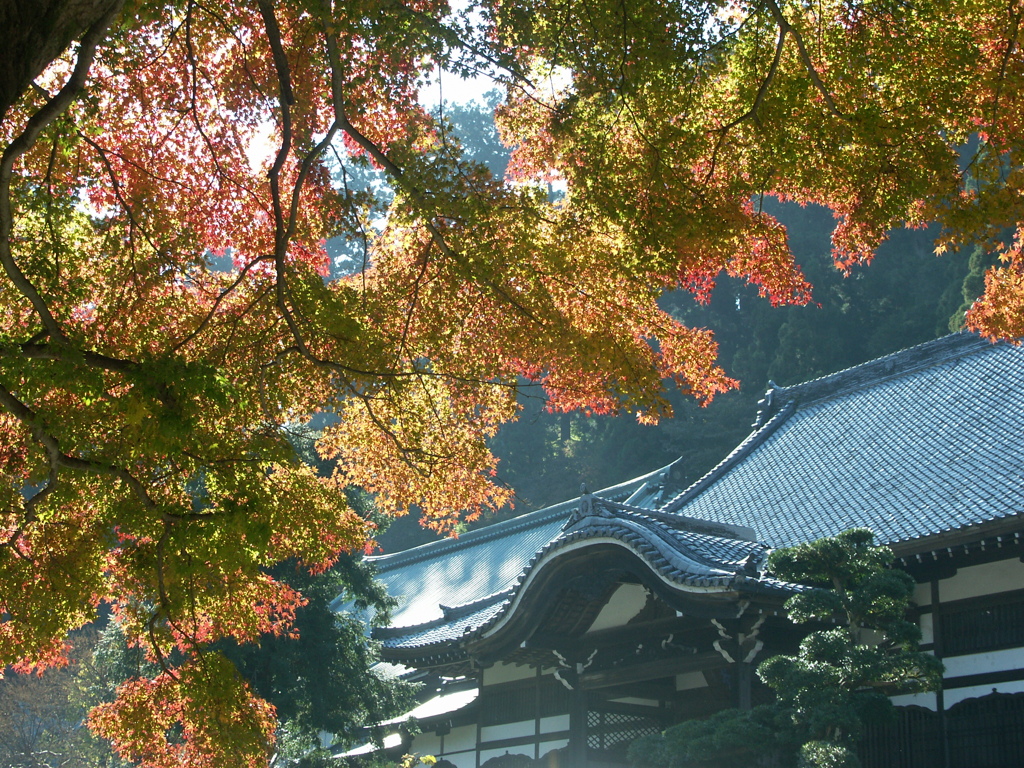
740, 452
685, 524
871, 372
497, 530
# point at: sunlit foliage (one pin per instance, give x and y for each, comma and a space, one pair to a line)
147, 388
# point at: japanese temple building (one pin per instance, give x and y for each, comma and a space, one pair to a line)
558, 637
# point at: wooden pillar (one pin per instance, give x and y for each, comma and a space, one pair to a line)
577, 724
940, 699
744, 682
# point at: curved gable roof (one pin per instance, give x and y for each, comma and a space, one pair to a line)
488, 560
690, 557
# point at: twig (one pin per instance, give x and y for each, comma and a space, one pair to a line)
805, 57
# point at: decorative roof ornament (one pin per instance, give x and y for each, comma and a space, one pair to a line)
765, 405
589, 506
750, 565
584, 509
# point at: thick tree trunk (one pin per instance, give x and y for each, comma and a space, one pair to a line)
35, 32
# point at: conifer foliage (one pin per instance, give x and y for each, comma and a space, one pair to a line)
842, 677
146, 390
861, 649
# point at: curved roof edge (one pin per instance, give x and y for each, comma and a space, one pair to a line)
539, 517
686, 558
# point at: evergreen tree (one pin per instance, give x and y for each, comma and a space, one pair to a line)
840, 679
321, 678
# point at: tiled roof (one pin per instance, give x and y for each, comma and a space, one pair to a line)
440, 631
689, 555
923, 441
485, 561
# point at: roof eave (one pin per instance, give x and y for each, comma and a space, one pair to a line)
1011, 524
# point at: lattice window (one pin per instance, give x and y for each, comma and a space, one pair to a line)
987, 732
980, 629
615, 731
914, 740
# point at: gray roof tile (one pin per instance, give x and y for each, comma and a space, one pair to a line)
919, 442
482, 562
927, 440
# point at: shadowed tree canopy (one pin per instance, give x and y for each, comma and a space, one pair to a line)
171, 172
38, 31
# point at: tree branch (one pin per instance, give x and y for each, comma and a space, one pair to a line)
805, 57
371, 148
60, 460
284, 229
1011, 46
49, 112
216, 304
759, 98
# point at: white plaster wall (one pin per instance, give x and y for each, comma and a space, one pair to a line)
508, 730
556, 723
487, 754
635, 700
462, 760
923, 594
929, 700
426, 744
688, 680
626, 602
953, 696
547, 746
959, 694
461, 738
986, 579
927, 628
991, 661
507, 673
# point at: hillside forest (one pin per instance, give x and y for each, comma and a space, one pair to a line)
906, 296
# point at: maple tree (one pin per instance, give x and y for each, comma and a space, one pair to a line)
146, 396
